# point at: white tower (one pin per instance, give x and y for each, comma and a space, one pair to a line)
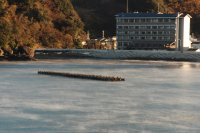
88, 35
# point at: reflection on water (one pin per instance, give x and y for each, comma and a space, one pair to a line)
156, 97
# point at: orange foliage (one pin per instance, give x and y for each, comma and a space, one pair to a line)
42, 24
191, 7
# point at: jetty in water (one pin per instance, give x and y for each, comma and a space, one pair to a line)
83, 76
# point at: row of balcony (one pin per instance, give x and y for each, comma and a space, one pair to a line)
139, 23
118, 29
146, 20
147, 39
146, 34
125, 27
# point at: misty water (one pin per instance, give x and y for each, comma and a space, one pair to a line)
157, 96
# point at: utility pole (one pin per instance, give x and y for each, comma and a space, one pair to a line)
127, 6
103, 34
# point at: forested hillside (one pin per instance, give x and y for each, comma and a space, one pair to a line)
191, 7
55, 23
99, 15
39, 23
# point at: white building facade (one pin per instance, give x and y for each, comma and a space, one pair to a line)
153, 30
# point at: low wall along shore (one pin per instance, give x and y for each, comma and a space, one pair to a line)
129, 54
82, 76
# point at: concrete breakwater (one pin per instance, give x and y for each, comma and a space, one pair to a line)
83, 76
126, 54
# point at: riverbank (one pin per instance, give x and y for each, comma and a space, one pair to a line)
124, 54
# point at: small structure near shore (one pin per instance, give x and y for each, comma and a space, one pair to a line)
83, 76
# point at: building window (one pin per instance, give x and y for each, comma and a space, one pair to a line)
166, 20
137, 38
125, 20
166, 27
154, 27
131, 27
120, 32
132, 37
149, 20
172, 38
131, 20
136, 27
143, 32
125, 37
131, 32
149, 32
166, 32
148, 27
160, 27
120, 37
154, 38
160, 20
125, 27
137, 32
143, 38
159, 38
142, 20
155, 32
166, 38
136, 20
119, 43
160, 32
172, 27
126, 32
120, 20
154, 20
142, 27
172, 32
172, 20
119, 27
149, 38
125, 44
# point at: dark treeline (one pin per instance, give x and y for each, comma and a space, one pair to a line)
99, 15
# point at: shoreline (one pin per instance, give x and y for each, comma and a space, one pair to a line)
189, 56
152, 55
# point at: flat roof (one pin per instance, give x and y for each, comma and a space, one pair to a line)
146, 15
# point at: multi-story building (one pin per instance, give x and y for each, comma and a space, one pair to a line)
152, 30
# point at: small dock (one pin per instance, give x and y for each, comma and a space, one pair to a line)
83, 76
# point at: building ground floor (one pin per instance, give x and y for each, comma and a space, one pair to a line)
129, 45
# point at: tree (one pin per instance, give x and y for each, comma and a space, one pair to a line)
96, 44
88, 44
45, 23
5, 31
78, 44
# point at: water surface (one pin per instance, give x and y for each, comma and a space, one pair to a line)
156, 97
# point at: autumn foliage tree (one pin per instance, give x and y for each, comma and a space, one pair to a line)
39, 23
191, 7
5, 32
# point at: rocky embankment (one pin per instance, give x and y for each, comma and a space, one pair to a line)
22, 53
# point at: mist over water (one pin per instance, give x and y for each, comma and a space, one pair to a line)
156, 97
